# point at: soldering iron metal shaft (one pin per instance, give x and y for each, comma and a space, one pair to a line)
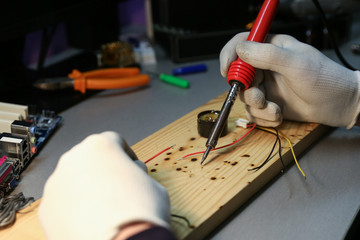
220, 123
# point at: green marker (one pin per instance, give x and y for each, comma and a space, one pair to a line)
174, 80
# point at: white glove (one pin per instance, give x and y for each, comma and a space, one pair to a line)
96, 189
297, 82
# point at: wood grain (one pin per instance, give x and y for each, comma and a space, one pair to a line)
206, 195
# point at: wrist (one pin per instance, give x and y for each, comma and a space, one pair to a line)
357, 123
132, 229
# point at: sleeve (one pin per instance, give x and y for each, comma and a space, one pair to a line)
158, 233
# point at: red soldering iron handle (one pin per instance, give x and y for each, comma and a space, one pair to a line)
241, 71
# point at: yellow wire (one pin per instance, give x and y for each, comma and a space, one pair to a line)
291, 147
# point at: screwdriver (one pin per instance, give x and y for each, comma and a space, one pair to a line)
241, 74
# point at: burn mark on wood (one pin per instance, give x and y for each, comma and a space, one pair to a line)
153, 170
213, 178
245, 155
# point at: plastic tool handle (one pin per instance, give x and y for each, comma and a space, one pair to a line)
190, 69
112, 78
241, 71
112, 83
112, 73
174, 80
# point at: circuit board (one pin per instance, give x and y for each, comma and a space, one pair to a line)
22, 135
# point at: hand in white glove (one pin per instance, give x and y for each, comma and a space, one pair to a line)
294, 81
97, 188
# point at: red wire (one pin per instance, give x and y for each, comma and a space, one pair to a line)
227, 145
158, 154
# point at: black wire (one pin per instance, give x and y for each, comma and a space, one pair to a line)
271, 152
332, 38
280, 155
183, 218
10, 205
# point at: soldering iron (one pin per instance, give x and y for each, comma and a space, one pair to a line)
241, 74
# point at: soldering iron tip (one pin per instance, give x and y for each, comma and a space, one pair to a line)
205, 154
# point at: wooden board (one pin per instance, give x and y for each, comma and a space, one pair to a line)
27, 225
206, 195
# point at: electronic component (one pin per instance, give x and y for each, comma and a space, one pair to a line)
10, 115
15, 108
5, 170
25, 129
5, 125
20, 140
15, 147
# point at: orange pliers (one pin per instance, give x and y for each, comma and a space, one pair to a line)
108, 78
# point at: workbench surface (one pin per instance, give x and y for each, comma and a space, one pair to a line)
289, 207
